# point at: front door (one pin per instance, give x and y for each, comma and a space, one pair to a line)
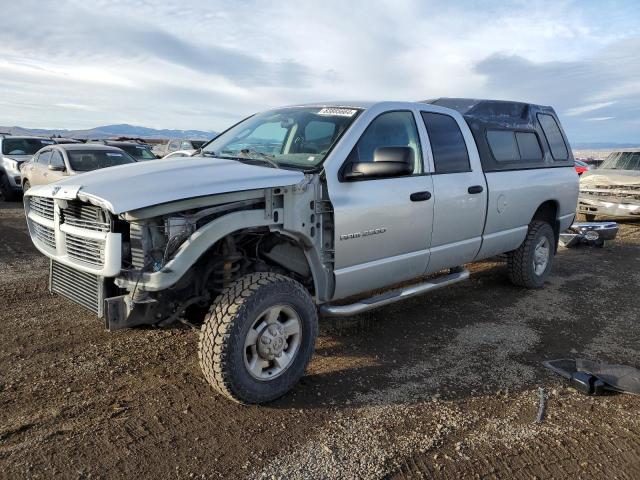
382, 226
58, 162
38, 168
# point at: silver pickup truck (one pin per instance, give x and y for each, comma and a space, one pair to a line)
305, 211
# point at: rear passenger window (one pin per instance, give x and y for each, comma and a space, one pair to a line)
503, 145
528, 146
447, 143
554, 137
509, 146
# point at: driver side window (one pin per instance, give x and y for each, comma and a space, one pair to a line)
56, 159
44, 157
391, 129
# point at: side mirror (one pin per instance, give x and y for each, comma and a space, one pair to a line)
56, 168
387, 162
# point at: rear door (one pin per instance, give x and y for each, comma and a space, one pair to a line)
383, 225
460, 196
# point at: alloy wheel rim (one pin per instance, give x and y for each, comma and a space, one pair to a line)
541, 255
272, 342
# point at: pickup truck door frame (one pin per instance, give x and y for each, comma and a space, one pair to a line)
382, 236
460, 203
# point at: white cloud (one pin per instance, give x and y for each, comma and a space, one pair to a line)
572, 112
599, 119
203, 64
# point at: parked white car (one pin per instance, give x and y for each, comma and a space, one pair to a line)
304, 211
180, 153
57, 162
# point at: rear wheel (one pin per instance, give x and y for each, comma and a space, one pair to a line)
258, 338
530, 265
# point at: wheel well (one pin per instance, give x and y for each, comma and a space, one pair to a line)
256, 250
548, 212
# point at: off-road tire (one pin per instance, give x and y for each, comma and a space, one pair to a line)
520, 261
221, 348
6, 192
589, 217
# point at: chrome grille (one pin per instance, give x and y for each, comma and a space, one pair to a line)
613, 193
83, 288
42, 206
137, 252
85, 249
44, 235
85, 216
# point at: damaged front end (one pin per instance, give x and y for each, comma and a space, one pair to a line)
612, 190
156, 287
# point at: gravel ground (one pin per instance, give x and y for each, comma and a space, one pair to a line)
441, 386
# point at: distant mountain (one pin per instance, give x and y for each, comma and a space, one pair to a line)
106, 131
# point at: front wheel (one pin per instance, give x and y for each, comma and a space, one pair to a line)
6, 191
530, 265
258, 338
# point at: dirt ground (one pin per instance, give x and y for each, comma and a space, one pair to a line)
442, 386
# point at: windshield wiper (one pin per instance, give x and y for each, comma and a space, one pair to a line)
262, 156
206, 153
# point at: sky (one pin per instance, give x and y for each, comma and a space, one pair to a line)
205, 64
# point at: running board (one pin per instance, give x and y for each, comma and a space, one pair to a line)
393, 295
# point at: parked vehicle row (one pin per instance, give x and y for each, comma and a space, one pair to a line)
176, 145
308, 211
18, 152
140, 151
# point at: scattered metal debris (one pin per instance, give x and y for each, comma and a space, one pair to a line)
589, 233
594, 377
542, 406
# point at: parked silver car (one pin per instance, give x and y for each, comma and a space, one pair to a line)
14, 151
307, 210
612, 190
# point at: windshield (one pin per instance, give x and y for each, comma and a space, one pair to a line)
87, 160
295, 137
139, 152
622, 161
23, 146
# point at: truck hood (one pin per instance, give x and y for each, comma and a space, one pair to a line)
606, 177
144, 184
